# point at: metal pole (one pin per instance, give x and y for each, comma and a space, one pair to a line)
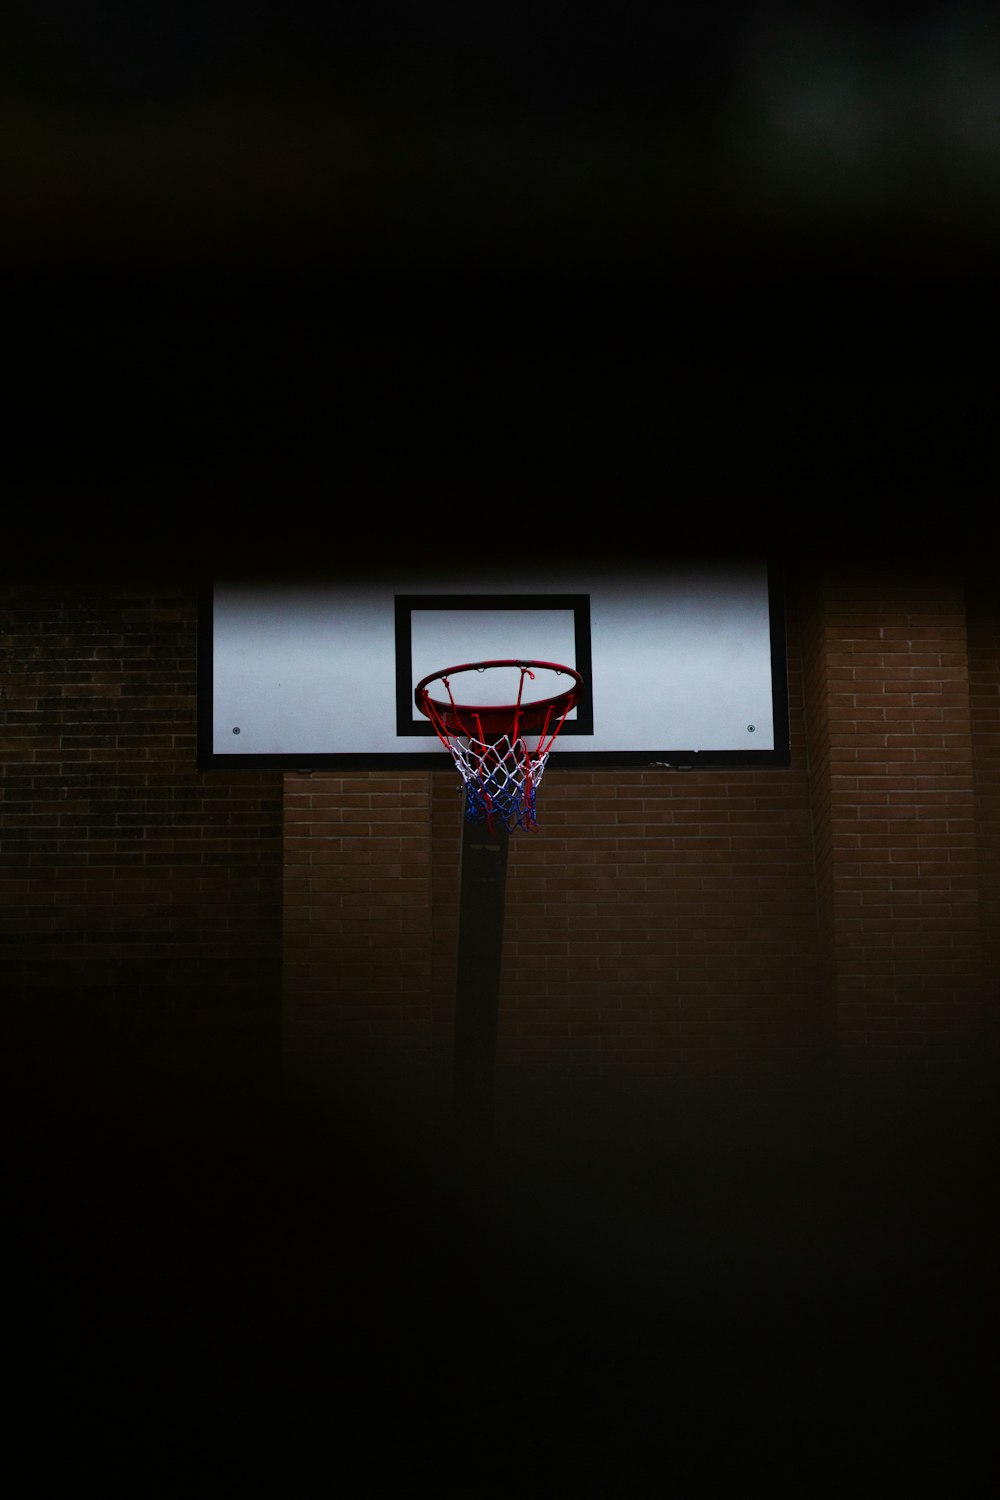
480, 944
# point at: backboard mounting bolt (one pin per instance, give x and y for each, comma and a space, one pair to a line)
236, 729
751, 728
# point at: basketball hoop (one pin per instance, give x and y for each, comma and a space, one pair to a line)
486, 741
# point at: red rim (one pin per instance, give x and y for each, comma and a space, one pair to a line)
497, 719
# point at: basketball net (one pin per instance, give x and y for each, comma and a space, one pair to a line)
500, 771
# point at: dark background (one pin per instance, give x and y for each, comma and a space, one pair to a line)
738, 262
669, 144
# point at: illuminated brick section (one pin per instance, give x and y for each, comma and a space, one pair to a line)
358, 940
897, 851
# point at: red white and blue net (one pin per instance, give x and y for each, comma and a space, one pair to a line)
501, 772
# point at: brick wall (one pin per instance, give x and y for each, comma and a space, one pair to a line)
660, 960
896, 834
662, 957
358, 941
141, 899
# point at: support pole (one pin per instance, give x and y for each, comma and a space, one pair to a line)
480, 944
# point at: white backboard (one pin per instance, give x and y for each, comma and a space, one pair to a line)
682, 663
